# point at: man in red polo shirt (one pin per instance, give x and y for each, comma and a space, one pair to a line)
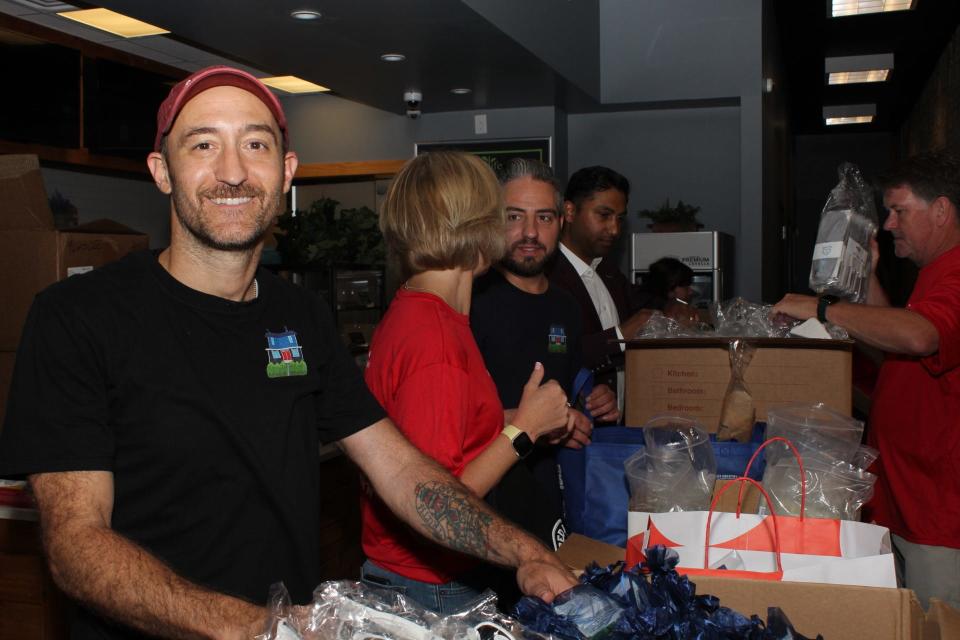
915, 417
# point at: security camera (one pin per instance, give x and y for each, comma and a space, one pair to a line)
413, 99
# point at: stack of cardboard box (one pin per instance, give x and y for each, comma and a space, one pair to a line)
33, 254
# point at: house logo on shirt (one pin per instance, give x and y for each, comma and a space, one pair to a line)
557, 339
284, 355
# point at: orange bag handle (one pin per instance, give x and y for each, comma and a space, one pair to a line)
803, 476
776, 530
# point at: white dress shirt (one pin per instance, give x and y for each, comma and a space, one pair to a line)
599, 294
602, 302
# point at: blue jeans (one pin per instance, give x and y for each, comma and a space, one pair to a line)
444, 599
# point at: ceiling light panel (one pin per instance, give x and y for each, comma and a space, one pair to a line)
293, 84
858, 7
393, 57
856, 77
849, 120
113, 22
849, 114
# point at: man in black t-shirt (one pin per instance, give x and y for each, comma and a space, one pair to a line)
519, 318
167, 409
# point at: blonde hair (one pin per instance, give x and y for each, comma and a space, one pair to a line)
443, 210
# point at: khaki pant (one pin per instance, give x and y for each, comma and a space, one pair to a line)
932, 572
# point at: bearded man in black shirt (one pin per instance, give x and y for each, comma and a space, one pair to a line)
168, 409
518, 318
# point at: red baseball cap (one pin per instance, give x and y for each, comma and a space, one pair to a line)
218, 76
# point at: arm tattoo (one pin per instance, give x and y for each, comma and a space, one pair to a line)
452, 519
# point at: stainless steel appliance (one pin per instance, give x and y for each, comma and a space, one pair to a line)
708, 253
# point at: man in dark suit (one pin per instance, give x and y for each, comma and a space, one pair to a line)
595, 203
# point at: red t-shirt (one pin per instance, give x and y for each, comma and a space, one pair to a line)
915, 420
427, 373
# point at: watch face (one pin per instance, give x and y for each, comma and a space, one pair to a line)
523, 445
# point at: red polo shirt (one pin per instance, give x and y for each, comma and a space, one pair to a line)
915, 420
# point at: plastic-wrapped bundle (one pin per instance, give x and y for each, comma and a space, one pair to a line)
738, 317
676, 470
346, 610
815, 430
835, 490
659, 325
648, 601
841, 256
835, 463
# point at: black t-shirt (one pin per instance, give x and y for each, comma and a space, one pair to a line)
209, 413
514, 329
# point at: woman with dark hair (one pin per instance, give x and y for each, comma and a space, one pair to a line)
668, 287
668, 280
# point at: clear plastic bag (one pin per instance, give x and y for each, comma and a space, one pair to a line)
659, 325
738, 413
818, 433
347, 610
841, 256
835, 489
676, 470
738, 317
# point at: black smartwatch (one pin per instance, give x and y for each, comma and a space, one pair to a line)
822, 304
522, 444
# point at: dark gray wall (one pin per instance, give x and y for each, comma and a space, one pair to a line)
326, 128
682, 50
661, 50
687, 154
565, 35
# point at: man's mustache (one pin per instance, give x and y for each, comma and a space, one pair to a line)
527, 243
232, 192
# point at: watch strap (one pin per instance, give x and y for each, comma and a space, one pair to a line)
522, 444
822, 303
511, 432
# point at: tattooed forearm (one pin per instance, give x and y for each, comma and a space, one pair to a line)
453, 519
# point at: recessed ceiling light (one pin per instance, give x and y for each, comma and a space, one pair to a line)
852, 69
849, 114
393, 57
858, 7
849, 120
460, 91
293, 84
855, 77
113, 22
305, 14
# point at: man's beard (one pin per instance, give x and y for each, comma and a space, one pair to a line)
526, 267
191, 216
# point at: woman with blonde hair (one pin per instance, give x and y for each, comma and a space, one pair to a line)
443, 220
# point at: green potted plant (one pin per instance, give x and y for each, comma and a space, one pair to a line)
681, 217
322, 236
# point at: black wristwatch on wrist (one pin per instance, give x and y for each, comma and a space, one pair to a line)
522, 444
822, 303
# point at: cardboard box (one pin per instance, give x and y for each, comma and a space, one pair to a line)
943, 621
690, 376
34, 255
834, 611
